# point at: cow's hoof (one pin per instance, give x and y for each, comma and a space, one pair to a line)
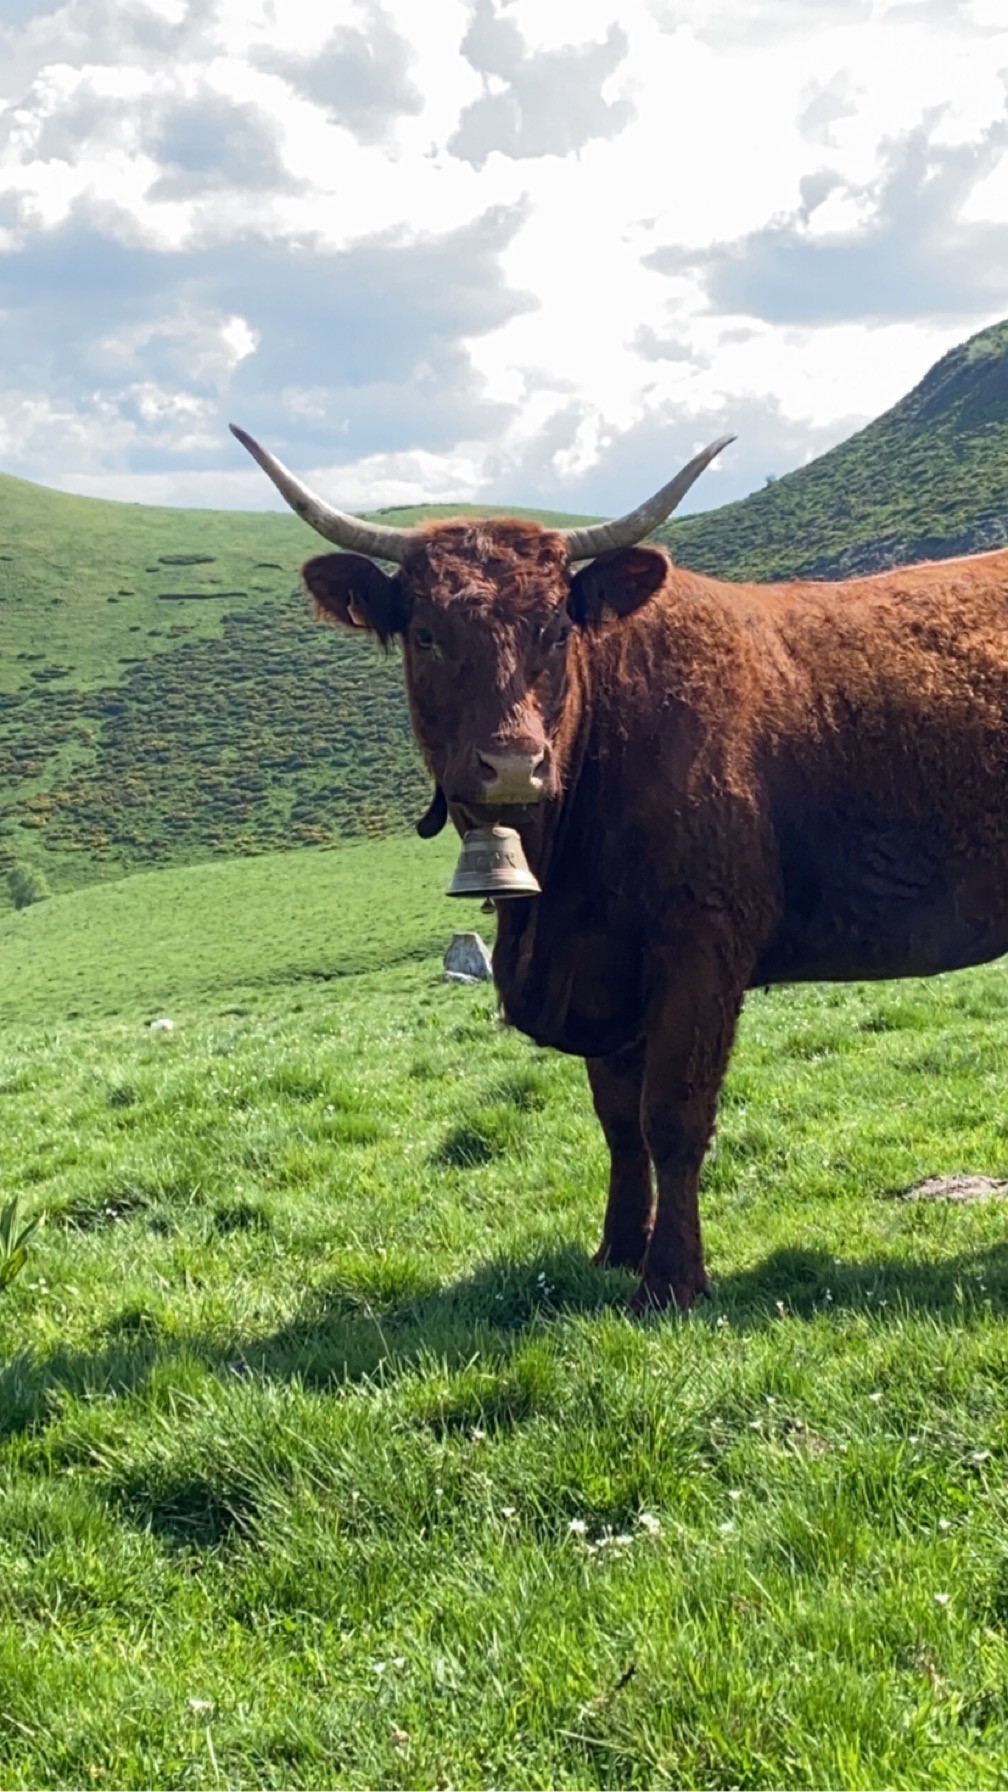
659, 1294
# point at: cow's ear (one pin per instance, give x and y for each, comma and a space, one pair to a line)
350, 590
616, 585
434, 816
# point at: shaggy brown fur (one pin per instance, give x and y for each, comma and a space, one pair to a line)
742, 785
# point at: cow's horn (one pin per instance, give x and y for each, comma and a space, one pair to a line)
346, 531
602, 538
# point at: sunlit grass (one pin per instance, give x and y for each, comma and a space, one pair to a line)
327, 1458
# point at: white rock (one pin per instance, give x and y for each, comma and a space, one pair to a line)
467, 959
163, 1025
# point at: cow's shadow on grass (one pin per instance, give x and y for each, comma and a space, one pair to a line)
485, 1313
343, 1336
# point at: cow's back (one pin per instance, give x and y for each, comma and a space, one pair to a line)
828, 761
887, 776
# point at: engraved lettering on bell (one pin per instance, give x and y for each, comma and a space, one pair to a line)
492, 862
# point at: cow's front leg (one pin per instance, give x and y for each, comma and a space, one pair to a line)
616, 1085
688, 1045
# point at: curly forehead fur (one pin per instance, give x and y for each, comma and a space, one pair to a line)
479, 563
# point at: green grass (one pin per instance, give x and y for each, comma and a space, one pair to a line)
327, 1459
189, 935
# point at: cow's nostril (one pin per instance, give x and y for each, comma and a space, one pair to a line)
512, 776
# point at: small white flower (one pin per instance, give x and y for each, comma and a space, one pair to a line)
162, 1025
541, 1277
942, 1598
828, 1296
577, 1527
508, 1511
734, 1493
726, 1528
649, 1523
622, 1539
980, 1456
477, 1434
875, 1396
944, 1525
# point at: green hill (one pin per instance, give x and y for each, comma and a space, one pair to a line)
192, 934
927, 480
165, 696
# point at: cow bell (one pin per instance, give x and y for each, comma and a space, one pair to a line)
492, 863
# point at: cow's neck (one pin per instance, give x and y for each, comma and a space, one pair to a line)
566, 975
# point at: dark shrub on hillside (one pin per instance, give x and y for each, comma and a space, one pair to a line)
26, 885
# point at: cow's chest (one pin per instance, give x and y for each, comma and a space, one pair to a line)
570, 973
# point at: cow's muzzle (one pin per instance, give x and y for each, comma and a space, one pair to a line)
512, 779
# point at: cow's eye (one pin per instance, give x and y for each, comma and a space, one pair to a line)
559, 639
423, 639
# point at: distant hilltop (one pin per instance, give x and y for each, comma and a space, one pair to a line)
927, 480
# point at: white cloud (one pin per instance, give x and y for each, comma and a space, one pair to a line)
700, 207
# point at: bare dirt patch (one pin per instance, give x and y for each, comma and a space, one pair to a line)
958, 1187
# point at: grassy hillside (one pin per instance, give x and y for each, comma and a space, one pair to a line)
927, 480
165, 695
192, 935
327, 1459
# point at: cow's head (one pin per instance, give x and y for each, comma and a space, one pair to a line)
485, 612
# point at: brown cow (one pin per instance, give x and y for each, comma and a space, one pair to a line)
717, 785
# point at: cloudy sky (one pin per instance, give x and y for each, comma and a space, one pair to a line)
529, 251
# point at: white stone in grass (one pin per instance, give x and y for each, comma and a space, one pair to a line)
162, 1025
467, 959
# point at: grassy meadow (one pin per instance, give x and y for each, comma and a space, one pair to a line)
327, 1459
